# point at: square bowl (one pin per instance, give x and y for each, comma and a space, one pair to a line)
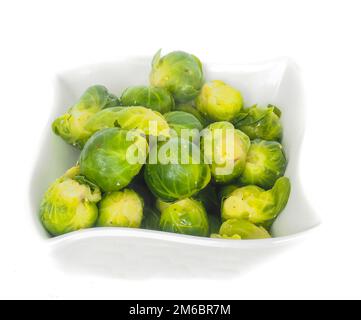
136, 252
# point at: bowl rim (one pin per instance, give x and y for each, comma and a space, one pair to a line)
137, 58
121, 232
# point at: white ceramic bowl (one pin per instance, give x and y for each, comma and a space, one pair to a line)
142, 253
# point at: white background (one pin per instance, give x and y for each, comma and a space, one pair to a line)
40, 38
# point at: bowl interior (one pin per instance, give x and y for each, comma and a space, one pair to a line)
276, 82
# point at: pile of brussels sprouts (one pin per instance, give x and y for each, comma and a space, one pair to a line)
204, 198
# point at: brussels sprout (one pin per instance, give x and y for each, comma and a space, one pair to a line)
241, 229
186, 216
69, 205
178, 72
266, 162
218, 101
261, 123
151, 219
157, 99
255, 204
189, 108
121, 209
148, 121
208, 198
112, 157
179, 177
185, 125
71, 125
225, 148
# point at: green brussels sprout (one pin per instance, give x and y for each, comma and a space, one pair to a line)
186, 216
241, 229
218, 101
113, 157
255, 204
157, 99
184, 125
121, 209
69, 204
129, 118
208, 198
179, 72
71, 125
266, 162
189, 108
225, 148
261, 123
178, 176
151, 219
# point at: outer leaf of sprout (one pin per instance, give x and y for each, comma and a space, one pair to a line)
130, 118
71, 125
261, 123
157, 99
